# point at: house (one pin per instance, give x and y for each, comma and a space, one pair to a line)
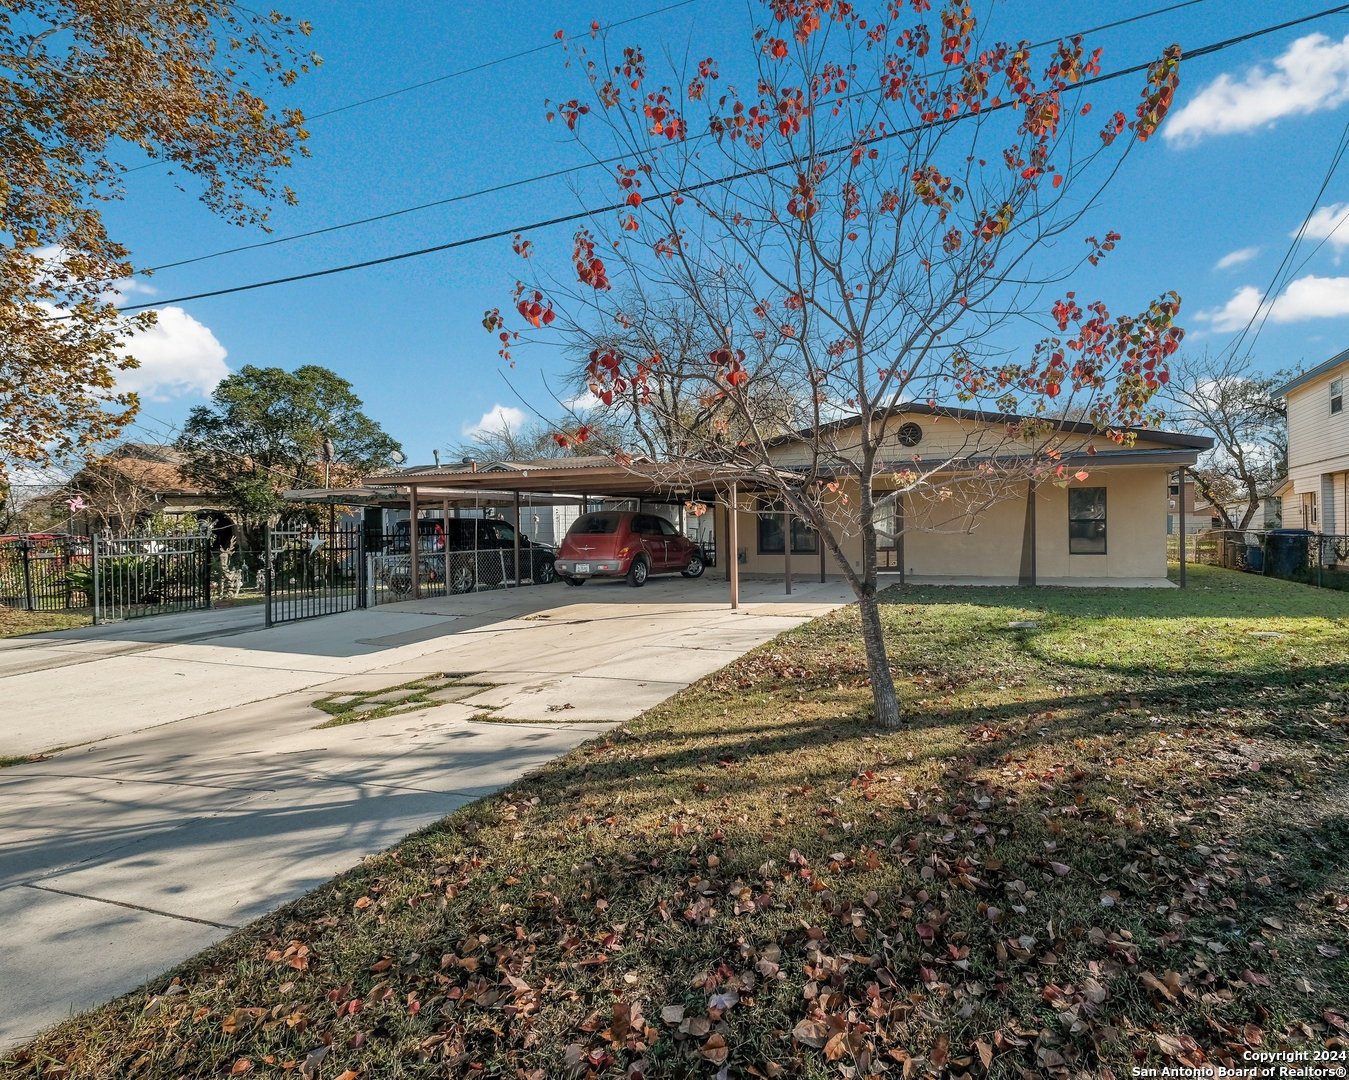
1316, 492
135, 482
1108, 528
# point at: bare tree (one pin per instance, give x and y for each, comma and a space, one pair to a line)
1223, 397
851, 234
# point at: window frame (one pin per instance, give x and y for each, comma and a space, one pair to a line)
1079, 518
769, 514
1336, 395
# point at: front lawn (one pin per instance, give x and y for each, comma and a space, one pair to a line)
1114, 839
14, 622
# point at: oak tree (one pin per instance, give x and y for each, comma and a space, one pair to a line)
264, 432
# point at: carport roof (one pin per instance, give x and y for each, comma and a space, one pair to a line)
590, 475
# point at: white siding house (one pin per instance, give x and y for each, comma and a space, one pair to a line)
1316, 493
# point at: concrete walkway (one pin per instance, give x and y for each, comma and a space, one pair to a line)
196, 793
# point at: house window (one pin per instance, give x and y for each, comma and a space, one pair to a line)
1336, 395
770, 531
1086, 521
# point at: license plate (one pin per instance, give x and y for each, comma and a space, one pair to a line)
583, 568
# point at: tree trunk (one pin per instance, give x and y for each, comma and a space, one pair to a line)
878, 663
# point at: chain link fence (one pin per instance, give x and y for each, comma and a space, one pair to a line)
1320, 559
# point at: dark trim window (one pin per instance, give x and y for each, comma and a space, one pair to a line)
770, 531
1086, 521
1336, 395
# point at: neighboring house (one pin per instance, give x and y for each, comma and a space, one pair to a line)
1316, 492
1199, 513
135, 482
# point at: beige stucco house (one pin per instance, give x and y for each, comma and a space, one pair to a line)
1109, 528
1316, 492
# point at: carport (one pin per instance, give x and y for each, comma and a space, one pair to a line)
592, 477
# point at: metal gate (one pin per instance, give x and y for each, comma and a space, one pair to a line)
45, 573
133, 576
312, 572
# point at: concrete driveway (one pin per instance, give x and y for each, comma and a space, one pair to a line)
195, 792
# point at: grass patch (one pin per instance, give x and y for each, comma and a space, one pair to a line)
354, 708
28, 759
1118, 838
15, 623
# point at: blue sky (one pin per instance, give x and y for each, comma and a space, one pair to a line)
1207, 209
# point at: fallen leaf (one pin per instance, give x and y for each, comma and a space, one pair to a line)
940, 1049
311, 1064
811, 1032
714, 1050
363, 903
1328, 950
1169, 1045
1156, 985
1254, 978
1060, 868
240, 1066
672, 1014
985, 1052
1270, 920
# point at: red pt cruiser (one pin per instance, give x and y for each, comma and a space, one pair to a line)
616, 543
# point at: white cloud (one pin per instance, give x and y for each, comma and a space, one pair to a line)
1236, 258
582, 402
497, 419
1312, 74
1309, 297
1328, 223
178, 356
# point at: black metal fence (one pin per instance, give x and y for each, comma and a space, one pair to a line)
133, 576
113, 577
45, 573
313, 572
1320, 559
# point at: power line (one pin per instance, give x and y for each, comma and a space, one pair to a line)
492, 63
548, 175
462, 71
1266, 305
1204, 50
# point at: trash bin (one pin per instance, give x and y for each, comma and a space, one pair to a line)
1287, 551
1255, 557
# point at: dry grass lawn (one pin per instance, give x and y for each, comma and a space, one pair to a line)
1117, 838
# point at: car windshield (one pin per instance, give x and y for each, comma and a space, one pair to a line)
595, 524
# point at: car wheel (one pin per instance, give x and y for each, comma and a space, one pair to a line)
695, 567
461, 579
547, 572
638, 573
577, 581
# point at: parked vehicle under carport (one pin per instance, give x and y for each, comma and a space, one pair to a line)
619, 543
494, 543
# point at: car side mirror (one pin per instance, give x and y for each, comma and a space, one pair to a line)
524, 538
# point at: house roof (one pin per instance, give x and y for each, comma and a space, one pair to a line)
1338, 360
1167, 438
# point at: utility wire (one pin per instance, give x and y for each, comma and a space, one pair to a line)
493, 63
462, 71
561, 219
1280, 280
548, 175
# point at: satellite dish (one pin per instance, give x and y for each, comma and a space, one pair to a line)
398, 457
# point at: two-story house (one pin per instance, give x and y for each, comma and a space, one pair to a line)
1316, 493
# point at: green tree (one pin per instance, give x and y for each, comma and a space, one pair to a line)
264, 432
87, 86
